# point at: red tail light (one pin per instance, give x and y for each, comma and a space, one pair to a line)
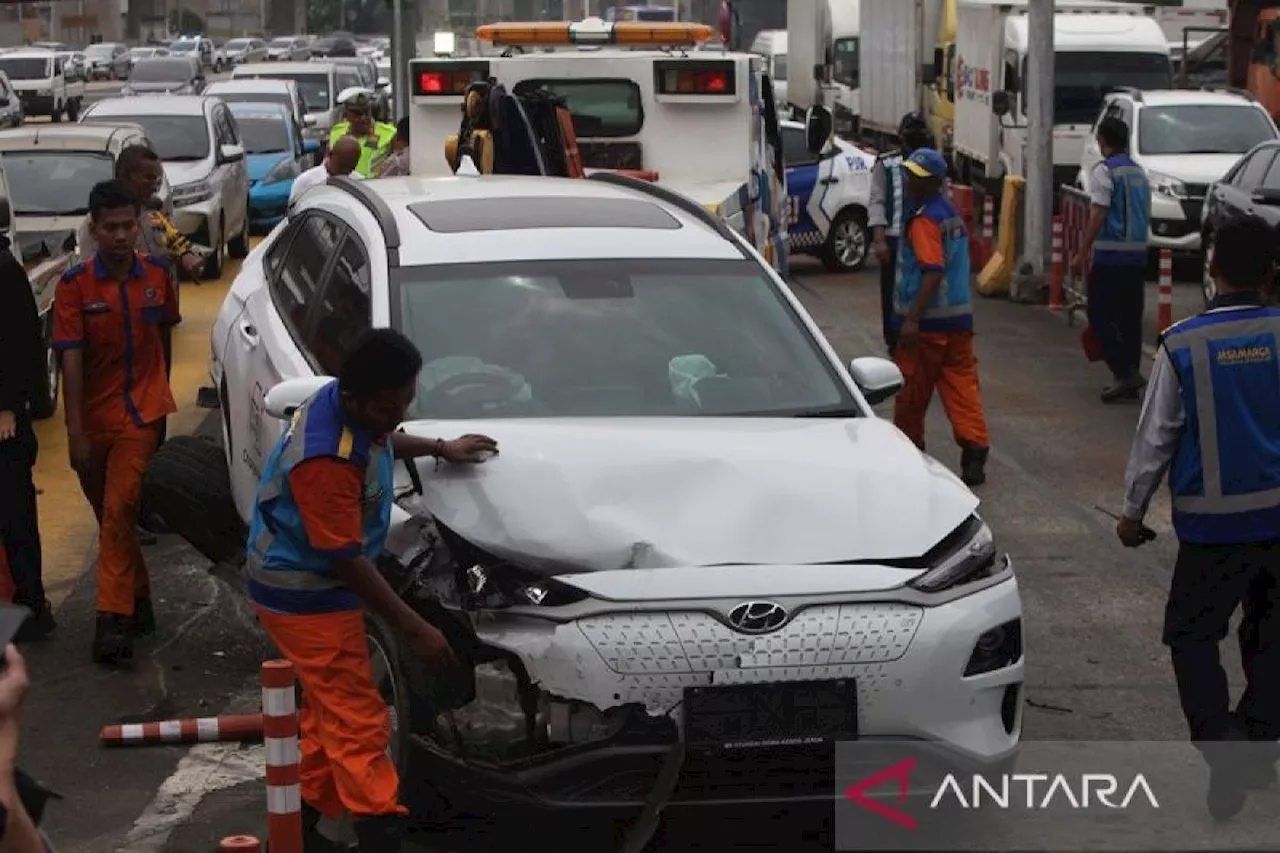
696, 77
440, 79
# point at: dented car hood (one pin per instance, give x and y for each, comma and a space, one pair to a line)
608, 494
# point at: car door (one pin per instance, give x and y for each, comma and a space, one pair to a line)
1237, 194
802, 167
276, 336
235, 175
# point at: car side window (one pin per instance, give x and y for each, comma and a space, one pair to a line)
1252, 172
295, 289
344, 311
795, 148
1272, 179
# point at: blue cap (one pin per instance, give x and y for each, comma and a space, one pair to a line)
926, 163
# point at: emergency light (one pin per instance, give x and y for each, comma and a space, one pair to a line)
445, 79
594, 31
694, 77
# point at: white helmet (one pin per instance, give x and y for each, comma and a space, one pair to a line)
356, 96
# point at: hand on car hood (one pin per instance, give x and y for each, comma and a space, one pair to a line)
603, 494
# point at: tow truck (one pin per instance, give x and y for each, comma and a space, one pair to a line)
643, 100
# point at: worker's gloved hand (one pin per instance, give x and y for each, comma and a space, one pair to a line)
431, 646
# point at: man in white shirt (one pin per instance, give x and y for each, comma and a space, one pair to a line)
342, 159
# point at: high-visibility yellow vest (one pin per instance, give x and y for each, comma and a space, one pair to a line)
371, 151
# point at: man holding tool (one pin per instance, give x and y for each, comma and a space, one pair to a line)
320, 520
1212, 420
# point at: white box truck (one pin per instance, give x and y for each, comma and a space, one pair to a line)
1098, 47
809, 54
845, 47
896, 61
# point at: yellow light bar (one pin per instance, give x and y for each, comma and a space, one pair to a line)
631, 34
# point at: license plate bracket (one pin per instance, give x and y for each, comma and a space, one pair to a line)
770, 715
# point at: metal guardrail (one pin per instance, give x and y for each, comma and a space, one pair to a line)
1073, 208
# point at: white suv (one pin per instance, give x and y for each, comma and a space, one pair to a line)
1186, 140
696, 513
197, 140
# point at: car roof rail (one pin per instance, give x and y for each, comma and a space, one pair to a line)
1214, 87
689, 206
373, 203
1132, 91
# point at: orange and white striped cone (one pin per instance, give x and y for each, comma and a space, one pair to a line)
1164, 300
1058, 272
240, 844
232, 727
280, 737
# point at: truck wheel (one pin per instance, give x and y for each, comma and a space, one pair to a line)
45, 402
848, 242
188, 489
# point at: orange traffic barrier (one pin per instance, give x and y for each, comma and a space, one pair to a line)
964, 199
240, 844
232, 727
1164, 298
1055, 280
280, 736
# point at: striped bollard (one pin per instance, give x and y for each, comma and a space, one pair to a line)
280, 736
230, 727
240, 844
989, 222
1164, 317
1058, 272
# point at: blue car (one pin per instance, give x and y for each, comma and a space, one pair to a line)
274, 154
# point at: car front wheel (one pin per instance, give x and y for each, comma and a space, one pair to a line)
847, 243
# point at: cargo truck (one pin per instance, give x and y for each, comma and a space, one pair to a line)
898, 38
846, 44
1098, 47
809, 55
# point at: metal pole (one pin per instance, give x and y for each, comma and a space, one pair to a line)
399, 61
1038, 199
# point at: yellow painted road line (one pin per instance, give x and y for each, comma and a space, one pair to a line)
68, 530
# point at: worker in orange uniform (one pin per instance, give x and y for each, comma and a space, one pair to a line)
320, 520
933, 310
113, 316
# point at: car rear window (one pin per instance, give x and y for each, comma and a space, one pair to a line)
601, 107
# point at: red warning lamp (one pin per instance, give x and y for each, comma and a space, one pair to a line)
695, 77
713, 82
432, 82
444, 79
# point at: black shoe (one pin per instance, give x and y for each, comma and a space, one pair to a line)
1228, 779
144, 618
313, 840
973, 465
112, 645
1124, 389
382, 834
38, 627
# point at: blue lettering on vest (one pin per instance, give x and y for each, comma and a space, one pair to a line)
1122, 241
951, 309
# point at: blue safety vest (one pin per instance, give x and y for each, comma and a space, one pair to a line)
1225, 475
1123, 238
952, 307
285, 573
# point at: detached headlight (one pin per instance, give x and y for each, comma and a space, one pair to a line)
967, 555
497, 585
283, 171
1167, 186
188, 194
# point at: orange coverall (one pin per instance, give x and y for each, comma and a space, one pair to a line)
120, 327
939, 360
343, 723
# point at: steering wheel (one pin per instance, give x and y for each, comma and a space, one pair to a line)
447, 390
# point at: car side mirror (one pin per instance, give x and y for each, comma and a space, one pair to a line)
284, 399
877, 378
1002, 103
310, 146
230, 153
818, 126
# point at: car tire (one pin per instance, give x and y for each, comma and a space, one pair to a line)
187, 488
238, 248
848, 242
1208, 289
45, 401
213, 266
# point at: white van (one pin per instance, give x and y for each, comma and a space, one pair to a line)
772, 45
38, 80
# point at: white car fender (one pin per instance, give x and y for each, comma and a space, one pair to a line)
851, 171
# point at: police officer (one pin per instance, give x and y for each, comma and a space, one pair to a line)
1116, 235
357, 121
1212, 418
886, 211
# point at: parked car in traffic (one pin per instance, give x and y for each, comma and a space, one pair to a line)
335, 45
137, 53
265, 91
11, 114
201, 48
319, 84
275, 154
165, 75
107, 60
37, 76
75, 66
289, 49
241, 51
196, 138
1249, 188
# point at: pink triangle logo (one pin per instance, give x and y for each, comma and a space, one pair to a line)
857, 793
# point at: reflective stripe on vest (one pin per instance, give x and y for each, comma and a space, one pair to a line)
954, 298
1226, 487
1128, 219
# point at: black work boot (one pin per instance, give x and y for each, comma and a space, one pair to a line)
1124, 389
144, 618
313, 840
973, 465
112, 645
38, 626
382, 834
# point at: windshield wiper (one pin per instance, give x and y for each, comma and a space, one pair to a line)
185, 158
828, 412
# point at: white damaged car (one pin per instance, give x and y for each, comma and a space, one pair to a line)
698, 539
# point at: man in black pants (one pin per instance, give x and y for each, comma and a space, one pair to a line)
1212, 419
887, 211
21, 365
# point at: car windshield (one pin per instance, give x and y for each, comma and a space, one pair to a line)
625, 338
184, 47
25, 67
1083, 79
282, 42
846, 68
1202, 129
99, 51
261, 134
161, 71
313, 89
54, 183
237, 44
780, 67
175, 139
253, 98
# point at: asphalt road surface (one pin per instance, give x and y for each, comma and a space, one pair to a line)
1092, 608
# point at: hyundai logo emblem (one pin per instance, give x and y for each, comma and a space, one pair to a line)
757, 617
